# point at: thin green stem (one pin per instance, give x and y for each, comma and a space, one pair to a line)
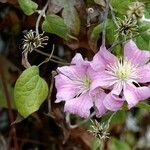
105, 23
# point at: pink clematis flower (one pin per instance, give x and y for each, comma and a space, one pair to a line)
125, 78
73, 84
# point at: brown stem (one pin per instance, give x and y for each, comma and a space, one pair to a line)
8, 99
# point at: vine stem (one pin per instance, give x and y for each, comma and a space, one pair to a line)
8, 99
41, 14
48, 59
58, 61
105, 23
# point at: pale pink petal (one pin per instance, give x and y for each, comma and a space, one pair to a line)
73, 72
143, 93
117, 88
102, 58
66, 89
78, 60
134, 54
143, 74
102, 79
80, 105
130, 95
112, 102
135, 94
98, 99
97, 63
107, 56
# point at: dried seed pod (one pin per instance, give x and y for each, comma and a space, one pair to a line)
33, 41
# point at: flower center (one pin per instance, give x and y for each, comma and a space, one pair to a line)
87, 82
123, 70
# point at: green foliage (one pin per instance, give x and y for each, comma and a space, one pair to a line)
30, 91
143, 41
119, 117
28, 6
143, 105
55, 25
120, 6
96, 144
110, 31
96, 32
147, 10
119, 145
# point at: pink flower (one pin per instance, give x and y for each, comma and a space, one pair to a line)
73, 84
125, 78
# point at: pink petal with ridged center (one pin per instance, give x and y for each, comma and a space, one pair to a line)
103, 58
80, 105
135, 94
66, 89
112, 102
134, 54
143, 73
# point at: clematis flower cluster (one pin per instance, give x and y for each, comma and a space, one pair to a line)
105, 83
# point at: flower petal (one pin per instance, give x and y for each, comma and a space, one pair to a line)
134, 54
78, 60
117, 88
65, 88
112, 102
98, 100
135, 94
80, 105
102, 79
102, 58
143, 73
107, 56
129, 92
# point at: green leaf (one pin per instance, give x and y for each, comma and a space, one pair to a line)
119, 145
55, 25
120, 6
143, 42
28, 6
143, 27
118, 118
94, 36
110, 31
96, 32
143, 105
96, 144
147, 10
30, 91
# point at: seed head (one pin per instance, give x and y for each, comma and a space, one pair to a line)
135, 10
99, 130
33, 41
127, 27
